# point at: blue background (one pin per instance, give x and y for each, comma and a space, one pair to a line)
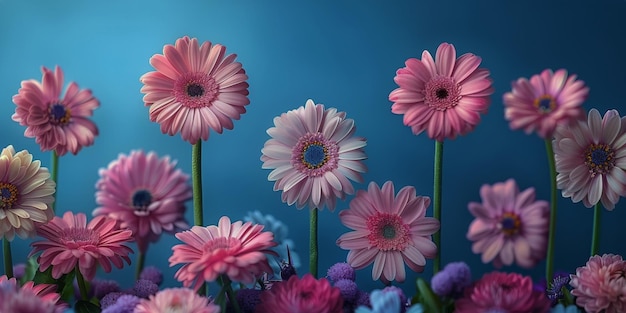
340, 53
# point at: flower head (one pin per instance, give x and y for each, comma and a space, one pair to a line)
545, 102
444, 96
502, 292
14, 299
600, 285
44, 292
57, 123
305, 295
382, 302
452, 280
510, 226
71, 242
236, 250
26, 193
313, 156
124, 304
145, 193
388, 231
591, 159
194, 88
176, 300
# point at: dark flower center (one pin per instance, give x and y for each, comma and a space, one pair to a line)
79, 237
389, 232
59, 115
314, 155
441, 93
142, 199
8, 195
510, 224
600, 159
545, 103
195, 90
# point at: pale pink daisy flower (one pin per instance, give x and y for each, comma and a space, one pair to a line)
145, 193
510, 226
503, 292
26, 194
16, 300
45, 292
195, 88
600, 285
303, 295
591, 159
57, 123
313, 156
171, 300
71, 242
444, 96
389, 231
236, 250
544, 102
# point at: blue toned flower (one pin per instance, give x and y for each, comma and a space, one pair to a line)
559, 308
416, 308
382, 302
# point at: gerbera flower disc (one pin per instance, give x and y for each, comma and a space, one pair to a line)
389, 231
26, 194
194, 88
70, 242
443, 96
313, 156
57, 123
544, 102
145, 193
590, 159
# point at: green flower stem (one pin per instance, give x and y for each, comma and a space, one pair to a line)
595, 237
437, 202
54, 175
196, 176
553, 207
313, 245
82, 287
231, 293
8, 259
141, 261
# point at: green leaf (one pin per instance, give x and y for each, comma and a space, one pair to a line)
428, 298
86, 307
32, 267
44, 277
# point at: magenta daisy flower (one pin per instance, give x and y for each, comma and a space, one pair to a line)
305, 294
195, 88
600, 285
313, 156
26, 193
44, 292
510, 226
57, 123
176, 300
545, 102
591, 159
236, 250
71, 242
444, 96
389, 231
145, 193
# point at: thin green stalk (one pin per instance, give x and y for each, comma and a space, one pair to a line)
231, 293
313, 245
54, 175
196, 176
141, 261
8, 259
595, 237
437, 202
82, 287
553, 208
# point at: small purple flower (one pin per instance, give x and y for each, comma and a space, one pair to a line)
555, 290
145, 288
248, 299
153, 274
349, 289
124, 304
19, 270
340, 271
452, 280
110, 299
103, 287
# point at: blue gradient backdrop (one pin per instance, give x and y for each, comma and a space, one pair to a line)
340, 53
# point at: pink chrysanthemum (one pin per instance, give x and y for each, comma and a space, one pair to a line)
545, 102
145, 193
303, 295
59, 124
71, 242
313, 156
389, 230
195, 88
444, 96
600, 285
26, 192
591, 159
510, 226
503, 292
176, 300
236, 250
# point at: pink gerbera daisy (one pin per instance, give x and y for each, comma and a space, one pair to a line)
59, 124
195, 88
45, 292
312, 155
503, 292
303, 295
591, 159
16, 300
510, 226
444, 96
600, 285
71, 242
389, 230
145, 193
546, 101
26, 193
176, 300
236, 250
